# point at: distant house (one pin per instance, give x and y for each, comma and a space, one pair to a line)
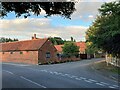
33, 51
81, 45
82, 53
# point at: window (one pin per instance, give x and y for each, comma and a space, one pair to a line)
11, 52
21, 52
47, 54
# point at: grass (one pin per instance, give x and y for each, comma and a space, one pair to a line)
103, 66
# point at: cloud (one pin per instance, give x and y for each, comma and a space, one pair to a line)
86, 10
25, 28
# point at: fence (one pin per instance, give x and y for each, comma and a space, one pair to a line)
113, 60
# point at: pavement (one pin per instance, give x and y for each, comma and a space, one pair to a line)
77, 74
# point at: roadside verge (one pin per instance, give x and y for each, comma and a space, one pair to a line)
109, 71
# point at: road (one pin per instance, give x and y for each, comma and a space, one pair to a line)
77, 74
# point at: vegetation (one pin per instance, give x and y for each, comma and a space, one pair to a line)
64, 9
104, 33
101, 66
60, 41
56, 40
3, 40
70, 49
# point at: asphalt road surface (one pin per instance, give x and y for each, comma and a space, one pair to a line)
77, 74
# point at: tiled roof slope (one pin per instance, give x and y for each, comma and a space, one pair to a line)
82, 46
59, 48
34, 44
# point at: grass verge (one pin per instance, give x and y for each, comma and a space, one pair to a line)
110, 68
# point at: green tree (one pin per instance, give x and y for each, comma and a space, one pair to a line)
71, 39
3, 40
70, 49
105, 30
64, 9
56, 40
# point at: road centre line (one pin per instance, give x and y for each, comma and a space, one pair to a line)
111, 87
32, 82
92, 80
88, 81
104, 83
115, 85
100, 84
78, 79
81, 78
8, 72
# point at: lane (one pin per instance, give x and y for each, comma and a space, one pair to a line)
66, 75
10, 80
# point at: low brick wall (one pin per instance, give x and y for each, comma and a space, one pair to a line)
68, 59
29, 57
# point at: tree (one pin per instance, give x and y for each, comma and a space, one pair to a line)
105, 30
3, 40
70, 49
71, 39
64, 9
56, 40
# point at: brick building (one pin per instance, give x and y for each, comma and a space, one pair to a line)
82, 49
33, 51
81, 45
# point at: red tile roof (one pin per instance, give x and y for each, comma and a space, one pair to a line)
82, 46
59, 48
34, 44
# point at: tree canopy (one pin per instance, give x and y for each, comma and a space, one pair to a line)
64, 9
3, 40
70, 49
104, 33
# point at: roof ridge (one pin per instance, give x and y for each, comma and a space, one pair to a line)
24, 40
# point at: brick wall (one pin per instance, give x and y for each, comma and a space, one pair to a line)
47, 47
68, 59
29, 57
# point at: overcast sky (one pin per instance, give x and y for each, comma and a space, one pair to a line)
82, 18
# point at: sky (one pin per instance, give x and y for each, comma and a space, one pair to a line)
54, 26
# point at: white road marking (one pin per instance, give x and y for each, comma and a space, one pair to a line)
67, 74
51, 72
78, 79
92, 80
8, 71
16, 64
111, 87
82, 78
88, 81
104, 83
100, 84
73, 76
62, 74
32, 82
56, 73
43, 70
115, 85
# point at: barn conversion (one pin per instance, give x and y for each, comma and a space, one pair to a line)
35, 51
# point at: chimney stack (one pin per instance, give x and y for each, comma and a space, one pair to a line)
34, 37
